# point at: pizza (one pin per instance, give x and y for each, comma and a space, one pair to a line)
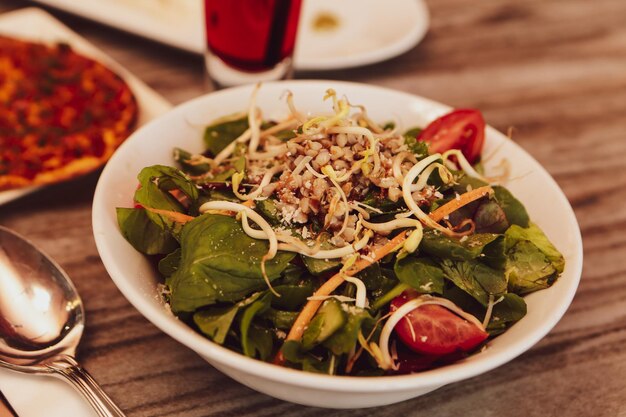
61, 114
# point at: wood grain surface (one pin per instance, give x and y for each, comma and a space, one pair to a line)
555, 70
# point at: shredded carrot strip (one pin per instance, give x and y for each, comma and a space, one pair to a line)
173, 215
311, 307
455, 204
183, 218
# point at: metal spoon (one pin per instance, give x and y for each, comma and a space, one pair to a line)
42, 319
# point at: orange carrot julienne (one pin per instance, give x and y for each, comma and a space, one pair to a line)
183, 218
173, 215
456, 203
336, 280
311, 307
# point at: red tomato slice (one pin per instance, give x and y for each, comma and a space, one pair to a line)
408, 362
462, 129
437, 330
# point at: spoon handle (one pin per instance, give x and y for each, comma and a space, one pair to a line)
66, 367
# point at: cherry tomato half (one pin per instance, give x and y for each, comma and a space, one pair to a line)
437, 330
408, 362
462, 129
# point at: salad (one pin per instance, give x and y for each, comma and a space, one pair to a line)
335, 244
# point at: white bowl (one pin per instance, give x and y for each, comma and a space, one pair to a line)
182, 127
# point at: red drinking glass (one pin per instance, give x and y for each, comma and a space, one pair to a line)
250, 40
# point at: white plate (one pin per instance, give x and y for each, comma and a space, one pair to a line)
39, 26
136, 278
31, 395
369, 31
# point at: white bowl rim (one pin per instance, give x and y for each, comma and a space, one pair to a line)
355, 384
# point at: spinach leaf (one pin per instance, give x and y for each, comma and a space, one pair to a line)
295, 355
280, 319
267, 208
292, 297
320, 266
423, 274
184, 160
219, 262
215, 322
238, 165
258, 341
378, 280
536, 236
220, 135
494, 254
418, 148
413, 132
505, 312
169, 264
156, 183
528, 269
222, 176
283, 135
511, 309
219, 193
141, 232
166, 223
295, 275
475, 278
465, 182
345, 339
491, 280
375, 198
513, 209
441, 246
386, 297
329, 319
465, 301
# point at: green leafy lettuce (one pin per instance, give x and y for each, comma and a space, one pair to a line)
219, 135
475, 278
436, 244
423, 274
156, 184
533, 263
145, 235
219, 262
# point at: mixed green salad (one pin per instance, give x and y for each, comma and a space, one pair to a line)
334, 244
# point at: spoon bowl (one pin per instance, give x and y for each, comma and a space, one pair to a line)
42, 319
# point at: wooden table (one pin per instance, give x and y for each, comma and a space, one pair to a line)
553, 69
